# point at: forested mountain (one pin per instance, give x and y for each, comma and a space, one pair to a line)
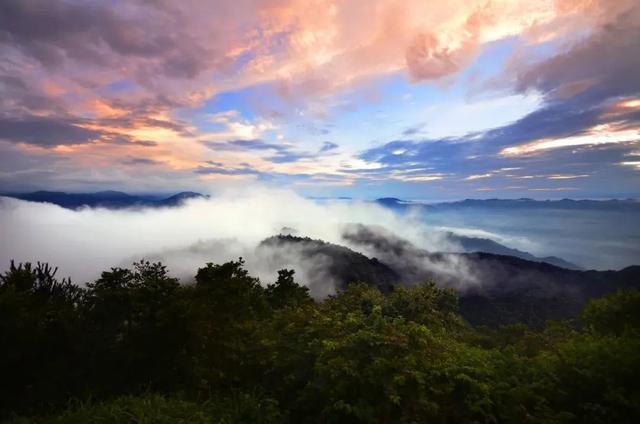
493, 289
137, 346
331, 261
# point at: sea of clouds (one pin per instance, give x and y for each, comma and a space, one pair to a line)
85, 242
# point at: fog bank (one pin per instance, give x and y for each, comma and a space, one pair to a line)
85, 242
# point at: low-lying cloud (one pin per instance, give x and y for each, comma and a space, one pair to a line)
233, 224
82, 243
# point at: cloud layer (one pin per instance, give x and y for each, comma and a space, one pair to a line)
84, 242
87, 241
262, 87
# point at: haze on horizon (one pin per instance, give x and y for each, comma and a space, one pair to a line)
400, 98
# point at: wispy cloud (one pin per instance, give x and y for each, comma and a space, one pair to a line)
600, 134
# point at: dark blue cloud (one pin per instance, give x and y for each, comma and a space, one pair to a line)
125, 140
606, 64
415, 129
141, 161
214, 168
328, 146
479, 153
289, 157
210, 169
282, 153
254, 145
45, 131
551, 121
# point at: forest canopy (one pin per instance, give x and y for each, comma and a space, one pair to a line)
136, 345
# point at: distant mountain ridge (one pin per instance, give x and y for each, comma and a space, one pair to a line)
118, 199
522, 203
104, 199
477, 244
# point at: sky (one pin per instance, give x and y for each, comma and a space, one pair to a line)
412, 99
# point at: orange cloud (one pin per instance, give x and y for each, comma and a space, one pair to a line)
103, 109
325, 50
52, 88
188, 51
600, 134
180, 54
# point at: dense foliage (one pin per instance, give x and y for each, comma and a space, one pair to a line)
137, 346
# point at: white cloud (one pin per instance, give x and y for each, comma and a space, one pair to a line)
85, 242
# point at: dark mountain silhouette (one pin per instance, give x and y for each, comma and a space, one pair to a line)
103, 199
478, 244
523, 203
178, 199
393, 202
493, 289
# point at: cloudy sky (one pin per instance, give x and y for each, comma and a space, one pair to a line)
411, 98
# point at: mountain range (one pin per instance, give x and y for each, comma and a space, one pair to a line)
104, 199
523, 203
493, 289
121, 200
118, 199
496, 284
478, 244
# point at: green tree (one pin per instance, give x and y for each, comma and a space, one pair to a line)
40, 337
139, 329
227, 310
426, 304
614, 314
285, 292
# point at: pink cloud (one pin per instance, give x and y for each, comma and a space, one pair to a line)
59, 57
